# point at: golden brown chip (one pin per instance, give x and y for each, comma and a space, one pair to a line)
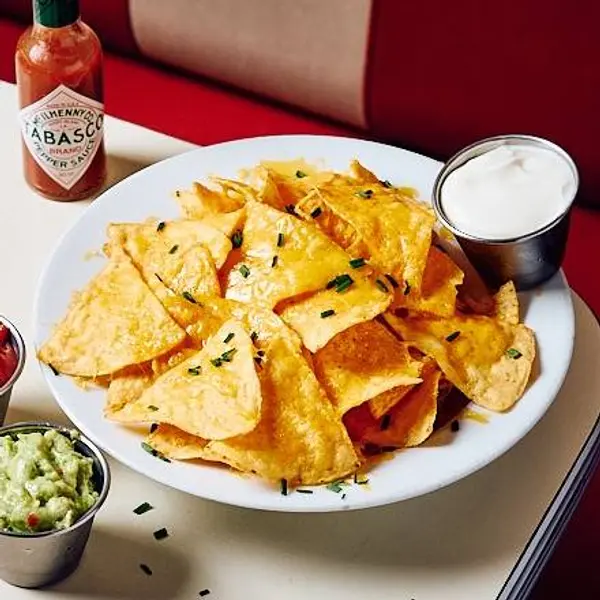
126, 389
411, 420
306, 258
487, 359
215, 394
95, 338
300, 438
175, 443
363, 362
311, 316
396, 232
149, 244
201, 202
226, 223
437, 295
507, 304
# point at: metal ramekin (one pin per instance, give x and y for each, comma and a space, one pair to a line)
528, 260
19, 347
38, 559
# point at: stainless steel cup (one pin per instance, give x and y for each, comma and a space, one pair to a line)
527, 260
19, 346
39, 559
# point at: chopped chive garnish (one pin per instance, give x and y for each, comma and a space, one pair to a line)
229, 337
452, 336
177, 193
150, 450
300, 174
189, 297
274, 261
381, 285
204, 593
174, 249
261, 353
284, 487
153, 427
301, 491
343, 286
161, 226
513, 353
331, 284
343, 496
356, 263
245, 271
406, 288
454, 426
355, 477
392, 281
315, 213
152, 407
195, 370
386, 183
237, 238
362, 481
340, 283
280, 240
337, 486
158, 277
216, 362
327, 313
254, 336
364, 194
161, 534
146, 569
53, 369
291, 209
227, 356
385, 422
144, 507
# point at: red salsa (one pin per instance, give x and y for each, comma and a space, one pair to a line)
8, 356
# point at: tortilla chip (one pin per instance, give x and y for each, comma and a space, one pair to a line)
411, 421
437, 295
226, 223
201, 202
362, 302
206, 395
175, 443
506, 304
126, 389
363, 362
306, 258
149, 244
300, 438
395, 232
95, 338
487, 359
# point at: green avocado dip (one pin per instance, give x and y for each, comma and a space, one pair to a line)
45, 484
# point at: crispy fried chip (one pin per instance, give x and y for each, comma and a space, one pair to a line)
175, 443
411, 420
96, 336
363, 362
300, 437
488, 360
437, 295
201, 202
269, 233
226, 223
148, 244
215, 394
126, 389
507, 304
361, 302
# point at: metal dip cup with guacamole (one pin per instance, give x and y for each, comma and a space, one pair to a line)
52, 483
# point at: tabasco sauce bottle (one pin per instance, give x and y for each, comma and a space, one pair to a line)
59, 78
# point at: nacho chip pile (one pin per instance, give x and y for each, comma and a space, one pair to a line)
290, 324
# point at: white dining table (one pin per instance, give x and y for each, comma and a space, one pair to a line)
479, 539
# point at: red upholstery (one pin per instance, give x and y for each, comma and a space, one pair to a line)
204, 113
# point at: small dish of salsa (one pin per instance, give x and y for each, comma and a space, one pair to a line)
8, 355
12, 359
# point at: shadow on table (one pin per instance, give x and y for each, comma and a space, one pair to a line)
119, 167
111, 568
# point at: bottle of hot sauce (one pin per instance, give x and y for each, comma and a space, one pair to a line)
59, 78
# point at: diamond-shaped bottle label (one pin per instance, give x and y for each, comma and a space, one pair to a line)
63, 132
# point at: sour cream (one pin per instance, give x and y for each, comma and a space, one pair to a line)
508, 192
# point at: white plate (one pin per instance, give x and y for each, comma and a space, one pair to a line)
411, 472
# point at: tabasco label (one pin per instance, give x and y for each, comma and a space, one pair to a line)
63, 132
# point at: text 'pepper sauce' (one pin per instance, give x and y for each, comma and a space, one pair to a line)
59, 77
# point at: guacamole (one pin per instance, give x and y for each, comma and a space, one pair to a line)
44, 483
